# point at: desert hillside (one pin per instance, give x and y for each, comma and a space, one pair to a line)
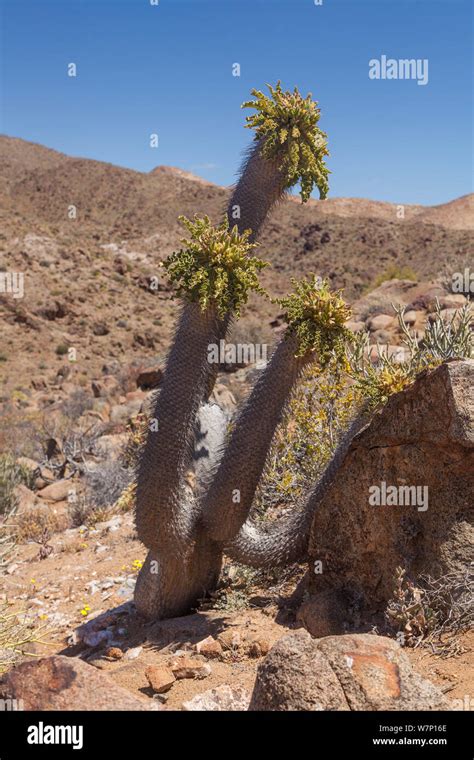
87, 278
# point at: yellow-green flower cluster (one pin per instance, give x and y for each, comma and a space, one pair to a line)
288, 124
214, 266
317, 316
378, 384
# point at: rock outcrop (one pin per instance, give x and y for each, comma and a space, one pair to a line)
402, 498
353, 672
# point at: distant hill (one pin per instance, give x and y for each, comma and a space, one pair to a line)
96, 265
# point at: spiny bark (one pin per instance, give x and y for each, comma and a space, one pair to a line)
163, 514
231, 492
170, 584
260, 187
286, 541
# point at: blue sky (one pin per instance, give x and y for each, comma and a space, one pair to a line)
167, 69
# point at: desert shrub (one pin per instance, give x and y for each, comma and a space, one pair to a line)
318, 413
442, 340
72, 445
82, 512
17, 631
432, 610
35, 524
61, 349
76, 404
105, 484
12, 475
20, 433
126, 500
393, 272
241, 586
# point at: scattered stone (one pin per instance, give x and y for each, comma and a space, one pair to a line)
160, 677
122, 413
132, 654
230, 639
57, 491
111, 525
149, 378
95, 638
26, 499
452, 301
209, 647
115, 653
29, 464
381, 336
73, 639
221, 699
189, 667
258, 646
380, 322
411, 316
100, 328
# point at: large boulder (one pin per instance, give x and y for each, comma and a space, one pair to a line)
354, 672
67, 683
402, 497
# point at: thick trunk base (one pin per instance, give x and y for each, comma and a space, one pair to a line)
172, 585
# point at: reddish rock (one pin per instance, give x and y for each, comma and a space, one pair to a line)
115, 653
230, 639
67, 683
189, 667
149, 378
258, 646
209, 647
160, 678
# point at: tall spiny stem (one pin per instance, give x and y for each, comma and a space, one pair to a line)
316, 332
214, 275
